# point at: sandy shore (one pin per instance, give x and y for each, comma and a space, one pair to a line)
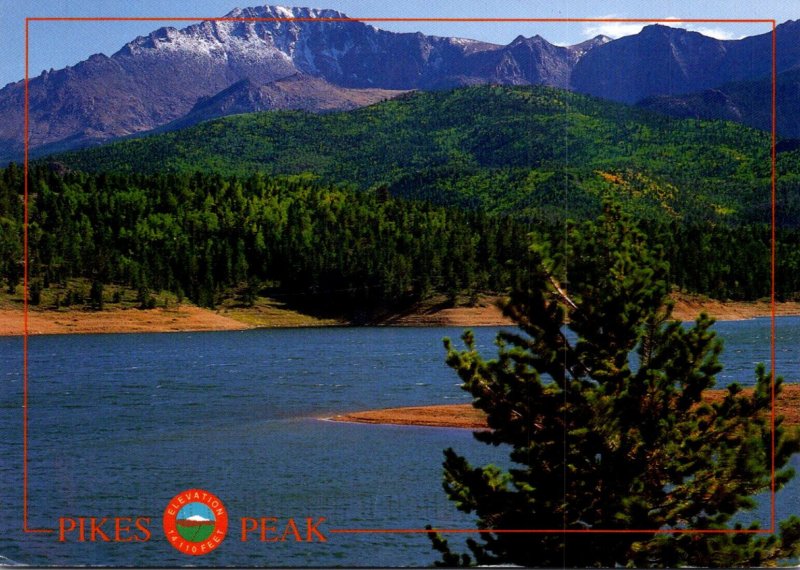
465, 416
688, 307
272, 314
184, 318
453, 416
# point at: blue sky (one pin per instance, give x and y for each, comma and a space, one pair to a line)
55, 45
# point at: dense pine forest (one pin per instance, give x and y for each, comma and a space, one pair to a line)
207, 237
203, 235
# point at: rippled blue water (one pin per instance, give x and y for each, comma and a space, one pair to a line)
121, 423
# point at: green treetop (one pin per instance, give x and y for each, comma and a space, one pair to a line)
600, 398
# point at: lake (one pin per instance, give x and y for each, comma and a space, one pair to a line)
119, 424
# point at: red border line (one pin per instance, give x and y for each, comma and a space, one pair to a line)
351, 19
772, 337
771, 530
544, 531
25, 307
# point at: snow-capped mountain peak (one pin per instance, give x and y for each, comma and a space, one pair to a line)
197, 518
159, 78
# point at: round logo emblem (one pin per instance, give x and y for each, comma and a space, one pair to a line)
195, 522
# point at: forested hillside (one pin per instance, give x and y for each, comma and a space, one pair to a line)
203, 236
431, 194
528, 150
208, 237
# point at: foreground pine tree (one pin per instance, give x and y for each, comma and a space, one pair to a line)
607, 425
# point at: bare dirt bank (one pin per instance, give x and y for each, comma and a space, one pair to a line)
687, 307
184, 318
272, 314
487, 313
465, 416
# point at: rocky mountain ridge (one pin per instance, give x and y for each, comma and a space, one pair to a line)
170, 75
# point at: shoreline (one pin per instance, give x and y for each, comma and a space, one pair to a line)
185, 318
461, 416
464, 416
688, 307
189, 318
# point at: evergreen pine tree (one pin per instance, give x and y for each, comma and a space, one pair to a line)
600, 398
96, 295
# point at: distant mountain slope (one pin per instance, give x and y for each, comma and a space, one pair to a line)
160, 77
297, 92
662, 60
746, 102
494, 148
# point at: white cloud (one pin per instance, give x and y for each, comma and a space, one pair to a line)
719, 33
612, 29
616, 30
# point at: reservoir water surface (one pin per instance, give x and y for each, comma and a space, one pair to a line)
121, 423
